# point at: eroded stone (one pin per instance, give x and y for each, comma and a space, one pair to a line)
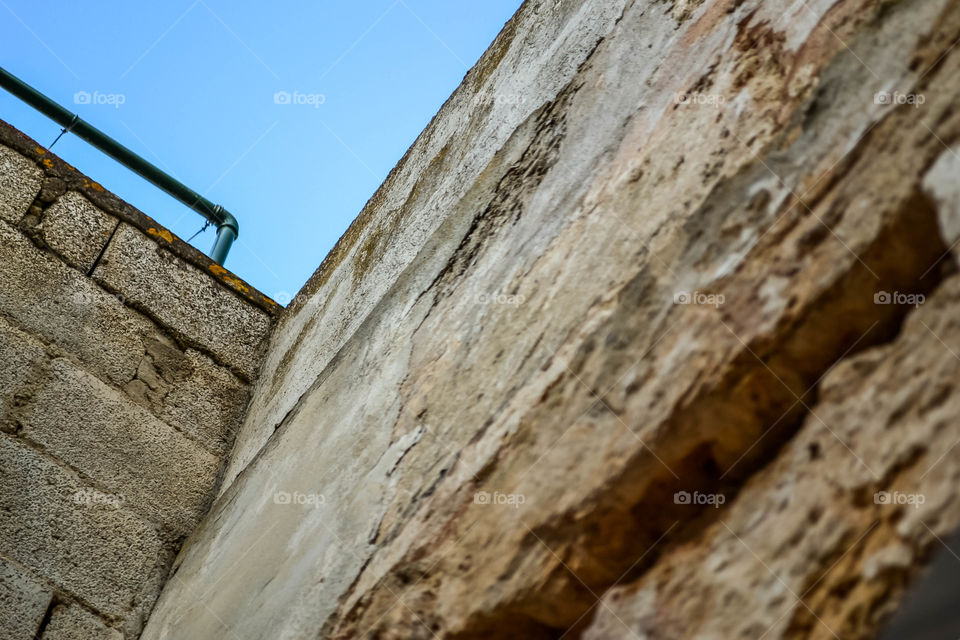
77, 230
123, 447
73, 534
20, 181
185, 300
23, 603
72, 622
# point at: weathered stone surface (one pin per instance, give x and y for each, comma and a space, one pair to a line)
19, 184
638, 293
62, 529
23, 359
451, 170
23, 603
60, 177
122, 447
46, 298
186, 301
190, 391
209, 404
71, 622
820, 542
97, 491
77, 230
943, 186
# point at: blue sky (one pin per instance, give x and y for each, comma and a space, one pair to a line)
191, 85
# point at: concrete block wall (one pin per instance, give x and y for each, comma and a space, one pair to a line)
126, 359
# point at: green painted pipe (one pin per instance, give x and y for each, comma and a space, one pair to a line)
227, 226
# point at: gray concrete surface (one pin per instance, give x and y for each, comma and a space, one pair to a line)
72, 622
73, 533
77, 230
124, 449
519, 313
23, 603
184, 299
19, 185
446, 174
116, 405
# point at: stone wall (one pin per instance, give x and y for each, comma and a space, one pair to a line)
126, 359
651, 334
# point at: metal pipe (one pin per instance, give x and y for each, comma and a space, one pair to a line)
227, 226
227, 232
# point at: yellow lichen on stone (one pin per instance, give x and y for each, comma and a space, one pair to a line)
161, 233
236, 283
227, 278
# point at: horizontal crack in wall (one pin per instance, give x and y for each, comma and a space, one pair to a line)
709, 441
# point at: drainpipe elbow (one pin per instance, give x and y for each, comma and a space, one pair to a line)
228, 229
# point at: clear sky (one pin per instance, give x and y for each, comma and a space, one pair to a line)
192, 85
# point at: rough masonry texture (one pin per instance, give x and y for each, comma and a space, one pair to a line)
653, 333
127, 359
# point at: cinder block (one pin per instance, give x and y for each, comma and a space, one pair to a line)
46, 298
20, 181
23, 603
184, 299
77, 230
22, 358
209, 404
51, 523
122, 447
190, 391
71, 622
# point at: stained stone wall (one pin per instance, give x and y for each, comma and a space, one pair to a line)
126, 360
653, 333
